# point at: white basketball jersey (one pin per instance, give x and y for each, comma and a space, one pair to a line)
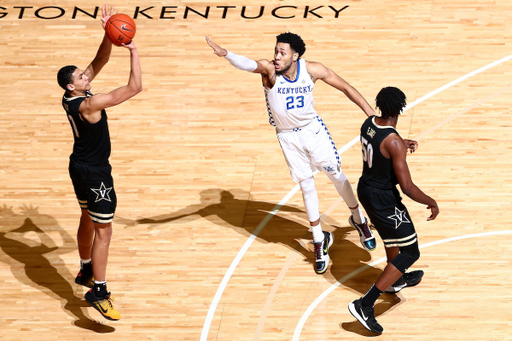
290, 103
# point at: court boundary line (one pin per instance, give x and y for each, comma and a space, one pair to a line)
305, 316
245, 247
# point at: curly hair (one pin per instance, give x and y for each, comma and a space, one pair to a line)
295, 41
65, 76
390, 101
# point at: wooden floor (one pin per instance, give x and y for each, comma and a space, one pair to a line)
198, 170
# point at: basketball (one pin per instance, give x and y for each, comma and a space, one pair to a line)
120, 29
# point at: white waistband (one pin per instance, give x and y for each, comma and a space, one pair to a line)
293, 130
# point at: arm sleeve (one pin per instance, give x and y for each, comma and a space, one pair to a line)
241, 62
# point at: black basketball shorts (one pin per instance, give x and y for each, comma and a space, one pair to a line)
94, 189
389, 215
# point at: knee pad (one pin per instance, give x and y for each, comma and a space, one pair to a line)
308, 187
310, 198
408, 256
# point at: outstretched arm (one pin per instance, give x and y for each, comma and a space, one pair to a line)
103, 54
319, 71
397, 149
262, 66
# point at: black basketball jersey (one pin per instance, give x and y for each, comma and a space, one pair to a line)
378, 170
92, 141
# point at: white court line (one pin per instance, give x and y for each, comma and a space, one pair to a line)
227, 276
234, 264
310, 309
300, 325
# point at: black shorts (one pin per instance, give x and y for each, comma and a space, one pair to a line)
389, 215
94, 189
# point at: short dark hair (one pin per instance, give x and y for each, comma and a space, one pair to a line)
390, 101
65, 76
295, 41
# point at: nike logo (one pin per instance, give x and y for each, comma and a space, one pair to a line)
326, 247
317, 131
103, 310
125, 29
364, 317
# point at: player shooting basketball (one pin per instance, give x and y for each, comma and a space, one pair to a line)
89, 166
288, 81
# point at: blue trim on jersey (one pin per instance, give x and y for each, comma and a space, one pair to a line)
330, 138
298, 74
270, 117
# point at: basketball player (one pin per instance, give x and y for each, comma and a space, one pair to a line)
288, 82
89, 166
384, 166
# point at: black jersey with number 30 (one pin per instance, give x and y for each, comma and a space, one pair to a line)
92, 141
378, 170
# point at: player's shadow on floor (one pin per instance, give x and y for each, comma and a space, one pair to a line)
236, 210
28, 247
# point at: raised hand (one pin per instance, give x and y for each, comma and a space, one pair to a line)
106, 14
219, 51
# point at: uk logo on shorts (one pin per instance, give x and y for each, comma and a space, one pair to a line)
399, 217
329, 169
102, 193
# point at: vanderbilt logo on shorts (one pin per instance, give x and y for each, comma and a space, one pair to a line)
102, 193
399, 217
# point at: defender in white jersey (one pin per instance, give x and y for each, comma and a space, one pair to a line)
288, 82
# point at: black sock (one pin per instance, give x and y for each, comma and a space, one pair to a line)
371, 296
86, 268
100, 289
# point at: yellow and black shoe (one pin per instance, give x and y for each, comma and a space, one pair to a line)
103, 304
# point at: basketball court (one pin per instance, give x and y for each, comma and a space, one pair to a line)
211, 236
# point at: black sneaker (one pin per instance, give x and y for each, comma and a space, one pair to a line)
365, 315
322, 253
85, 276
365, 234
409, 279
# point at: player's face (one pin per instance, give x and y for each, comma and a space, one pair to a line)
80, 81
284, 57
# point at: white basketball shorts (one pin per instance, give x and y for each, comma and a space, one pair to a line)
309, 149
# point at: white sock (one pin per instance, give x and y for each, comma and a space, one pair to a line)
358, 215
318, 235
